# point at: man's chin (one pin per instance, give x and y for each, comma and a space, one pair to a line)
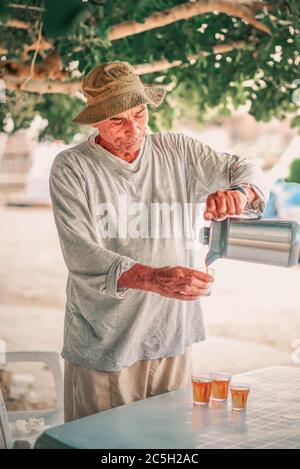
131, 146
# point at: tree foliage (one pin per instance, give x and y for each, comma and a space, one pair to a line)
261, 72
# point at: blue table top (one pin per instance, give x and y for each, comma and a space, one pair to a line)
170, 420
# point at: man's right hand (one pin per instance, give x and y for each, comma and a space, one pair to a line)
177, 282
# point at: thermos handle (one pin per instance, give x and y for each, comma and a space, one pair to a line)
252, 214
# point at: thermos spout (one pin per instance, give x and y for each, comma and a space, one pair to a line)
205, 234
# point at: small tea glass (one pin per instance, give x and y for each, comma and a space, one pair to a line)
221, 381
209, 271
202, 387
239, 396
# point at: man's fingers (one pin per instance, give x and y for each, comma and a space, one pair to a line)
203, 276
183, 297
208, 216
211, 205
230, 203
211, 209
223, 204
191, 290
239, 202
220, 202
216, 206
192, 282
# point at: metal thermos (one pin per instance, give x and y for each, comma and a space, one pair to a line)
260, 240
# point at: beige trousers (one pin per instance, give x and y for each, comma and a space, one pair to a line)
87, 391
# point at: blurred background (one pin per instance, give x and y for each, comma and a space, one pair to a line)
233, 82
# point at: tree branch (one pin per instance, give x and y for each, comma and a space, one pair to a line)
32, 66
239, 8
184, 12
37, 86
13, 81
164, 64
26, 7
17, 24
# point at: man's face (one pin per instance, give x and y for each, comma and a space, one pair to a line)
126, 130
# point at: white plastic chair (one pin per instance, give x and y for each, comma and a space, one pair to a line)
53, 416
6, 441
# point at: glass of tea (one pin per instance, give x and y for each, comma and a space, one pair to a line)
220, 387
239, 396
202, 387
209, 271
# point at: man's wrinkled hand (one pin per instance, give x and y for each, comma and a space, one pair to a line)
177, 282
223, 204
180, 282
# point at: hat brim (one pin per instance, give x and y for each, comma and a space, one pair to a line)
152, 94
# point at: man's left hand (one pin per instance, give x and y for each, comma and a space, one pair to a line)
223, 204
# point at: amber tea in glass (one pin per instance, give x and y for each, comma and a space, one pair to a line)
202, 386
239, 396
220, 387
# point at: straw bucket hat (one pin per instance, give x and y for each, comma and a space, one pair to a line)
112, 88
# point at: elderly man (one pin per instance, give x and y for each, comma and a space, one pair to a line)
133, 309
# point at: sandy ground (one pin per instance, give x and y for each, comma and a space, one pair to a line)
252, 317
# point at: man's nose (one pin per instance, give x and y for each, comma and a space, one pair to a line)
131, 127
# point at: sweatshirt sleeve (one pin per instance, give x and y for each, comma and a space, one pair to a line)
208, 171
85, 256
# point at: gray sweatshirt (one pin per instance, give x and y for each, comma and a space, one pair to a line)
111, 214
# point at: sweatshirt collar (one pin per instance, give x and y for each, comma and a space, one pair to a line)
114, 161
